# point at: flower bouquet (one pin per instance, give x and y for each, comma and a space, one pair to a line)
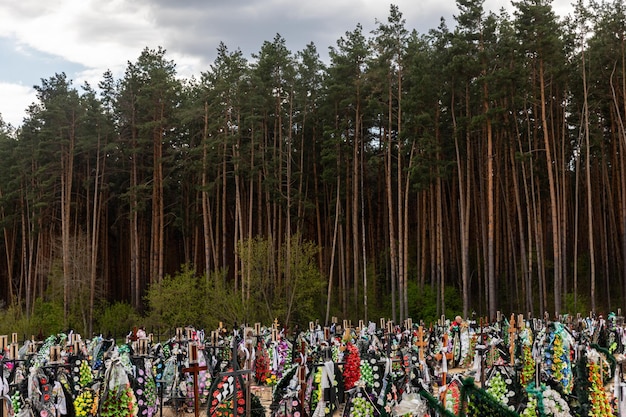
557, 363
279, 358
16, 402
360, 403
545, 402
119, 402
452, 398
145, 388
528, 362
118, 398
224, 391
600, 404
367, 373
352, 368
86, 404
82, 375
554, 404
271, 380
361, 407
261, 364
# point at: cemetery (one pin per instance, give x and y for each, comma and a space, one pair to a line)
512, 366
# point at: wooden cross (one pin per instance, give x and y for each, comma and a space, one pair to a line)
14, 351
195, 369
512, 336
444, 378
3, 348
249, 366
420, 343
301, 372
449, 358
449, 355
133, 336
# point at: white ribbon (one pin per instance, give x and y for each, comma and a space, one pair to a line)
4, 387
246, 351
328, 374
425, 372
477, 362
387, 366
61, 404
274, 357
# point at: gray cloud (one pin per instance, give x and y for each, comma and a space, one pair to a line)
196, 27
87, 37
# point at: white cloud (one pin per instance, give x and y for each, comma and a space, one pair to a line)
99, 35
107, 34
87, 32
14, 99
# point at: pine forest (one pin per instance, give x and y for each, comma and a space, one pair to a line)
478, 167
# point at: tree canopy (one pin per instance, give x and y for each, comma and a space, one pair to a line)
487, 159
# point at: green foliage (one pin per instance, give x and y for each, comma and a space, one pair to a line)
579, 304
257, 408
287, 286
189, 299
78, 282
223, 303
13, 320
307, 285
117, 319
423, 304
178, 300
47, 318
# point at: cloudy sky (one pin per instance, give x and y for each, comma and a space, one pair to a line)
83, 38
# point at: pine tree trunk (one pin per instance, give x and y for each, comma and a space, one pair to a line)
331, 270
554, 202
491, 222
590, 223
355, 198
391, 220
67, 174
95, 232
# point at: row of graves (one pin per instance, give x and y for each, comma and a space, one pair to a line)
517, 366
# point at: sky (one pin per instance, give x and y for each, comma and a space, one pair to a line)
84, 38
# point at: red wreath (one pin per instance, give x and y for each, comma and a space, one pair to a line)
262, 365
352, 368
